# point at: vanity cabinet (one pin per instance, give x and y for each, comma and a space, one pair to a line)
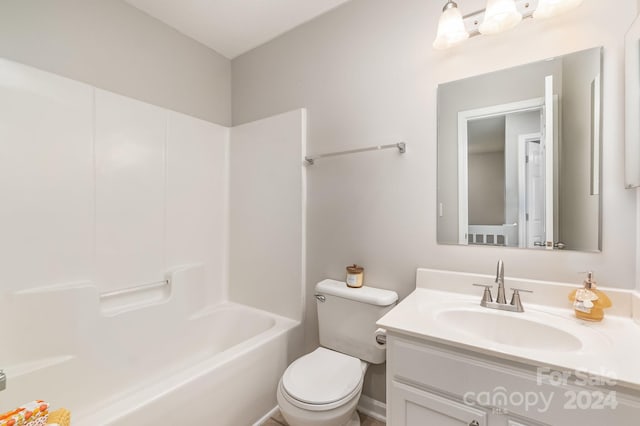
436, 384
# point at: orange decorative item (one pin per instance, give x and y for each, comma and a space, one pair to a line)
35, 413
589, 303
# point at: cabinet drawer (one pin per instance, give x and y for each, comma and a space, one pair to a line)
448, 370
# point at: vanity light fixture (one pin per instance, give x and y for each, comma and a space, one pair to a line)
499, 16
451, 29
550, 8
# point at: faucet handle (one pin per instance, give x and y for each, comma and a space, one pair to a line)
486, 297
515, 299
483, 285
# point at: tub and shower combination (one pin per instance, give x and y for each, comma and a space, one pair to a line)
121, 191
157, 355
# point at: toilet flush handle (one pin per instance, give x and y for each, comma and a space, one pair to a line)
321, 298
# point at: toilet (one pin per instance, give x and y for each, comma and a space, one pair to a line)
323, 387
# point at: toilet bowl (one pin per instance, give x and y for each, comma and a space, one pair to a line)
322, 389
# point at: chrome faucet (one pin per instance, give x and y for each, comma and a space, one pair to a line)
500, 281
501, 301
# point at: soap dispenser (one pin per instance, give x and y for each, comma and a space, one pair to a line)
589, 303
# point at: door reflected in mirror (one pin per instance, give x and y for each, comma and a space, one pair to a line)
519, 156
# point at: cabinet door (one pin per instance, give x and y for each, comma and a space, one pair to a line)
415, 407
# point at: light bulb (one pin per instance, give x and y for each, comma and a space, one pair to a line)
549, 8
451, 29
500, 15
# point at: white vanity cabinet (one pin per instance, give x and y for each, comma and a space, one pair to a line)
451, 361
436, 384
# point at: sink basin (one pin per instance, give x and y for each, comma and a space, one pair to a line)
509, 330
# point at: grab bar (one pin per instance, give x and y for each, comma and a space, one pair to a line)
136, 289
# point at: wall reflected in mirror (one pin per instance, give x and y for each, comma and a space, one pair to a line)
519, 156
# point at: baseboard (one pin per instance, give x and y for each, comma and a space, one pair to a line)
266, 417
372, 408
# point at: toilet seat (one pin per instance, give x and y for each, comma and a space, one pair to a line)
322, 380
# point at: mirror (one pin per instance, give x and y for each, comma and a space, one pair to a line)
519, 156
632, 106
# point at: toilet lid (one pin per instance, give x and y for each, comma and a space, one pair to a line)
322, 377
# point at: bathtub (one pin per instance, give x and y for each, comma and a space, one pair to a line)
231, 383
170, 361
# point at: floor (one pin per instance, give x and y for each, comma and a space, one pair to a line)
277, 420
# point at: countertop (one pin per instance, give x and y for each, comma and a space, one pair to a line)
610, 349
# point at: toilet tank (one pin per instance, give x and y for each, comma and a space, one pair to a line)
347, 318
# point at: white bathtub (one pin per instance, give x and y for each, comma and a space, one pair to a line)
170, 362
231, 383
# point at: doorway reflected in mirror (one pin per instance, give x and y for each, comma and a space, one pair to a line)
503, 178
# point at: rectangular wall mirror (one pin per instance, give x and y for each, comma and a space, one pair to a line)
632, 106
519, 156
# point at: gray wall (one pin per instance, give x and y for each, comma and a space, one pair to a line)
486, 188
113, 46
578, 208
367, 74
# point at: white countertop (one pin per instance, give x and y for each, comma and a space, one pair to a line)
610, 349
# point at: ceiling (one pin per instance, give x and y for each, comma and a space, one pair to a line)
233, 27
